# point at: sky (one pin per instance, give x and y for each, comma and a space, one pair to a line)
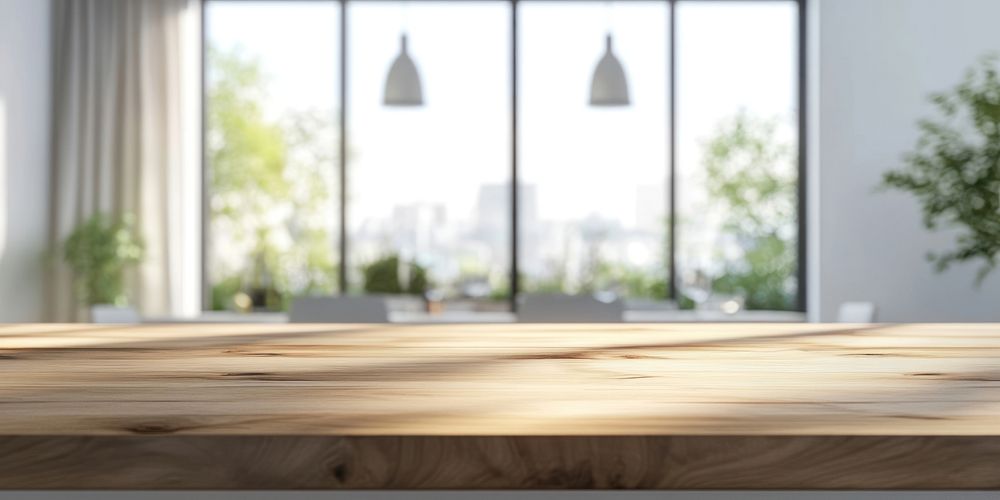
583, 160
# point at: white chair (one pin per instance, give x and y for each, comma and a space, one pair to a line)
339, 309
108, 314
559, 308
857, 312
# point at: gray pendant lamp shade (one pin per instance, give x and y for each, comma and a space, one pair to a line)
402, 86
609, 87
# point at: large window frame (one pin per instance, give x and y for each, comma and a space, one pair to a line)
671, 141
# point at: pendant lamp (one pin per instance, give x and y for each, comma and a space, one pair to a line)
402, 86
609, 87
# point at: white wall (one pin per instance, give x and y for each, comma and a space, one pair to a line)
24, 160
878, 60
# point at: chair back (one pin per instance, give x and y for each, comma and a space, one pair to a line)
339, 309
856, 312
109, 314
560, 308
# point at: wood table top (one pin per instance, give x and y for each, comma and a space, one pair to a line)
520, 406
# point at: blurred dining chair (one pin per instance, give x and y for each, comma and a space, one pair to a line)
857, 312
560, 308
339, 309
108, 314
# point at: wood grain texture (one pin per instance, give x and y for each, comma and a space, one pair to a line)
500, 406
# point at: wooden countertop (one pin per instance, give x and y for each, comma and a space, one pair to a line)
693, 406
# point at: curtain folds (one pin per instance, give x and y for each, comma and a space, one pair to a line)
125, 118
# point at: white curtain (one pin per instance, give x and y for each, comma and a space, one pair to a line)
125, 130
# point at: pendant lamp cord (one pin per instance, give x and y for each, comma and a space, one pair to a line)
609, 14
405, 21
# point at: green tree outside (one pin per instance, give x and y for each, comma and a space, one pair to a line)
750, 178
270, 184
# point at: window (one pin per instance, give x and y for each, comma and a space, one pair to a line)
428, 185
271, 124
698, 174
594, 179
737, 132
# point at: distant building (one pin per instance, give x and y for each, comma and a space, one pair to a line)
493, 210
419, 229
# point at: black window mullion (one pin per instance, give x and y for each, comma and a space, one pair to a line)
672, 157
342, 279
514, 181
801, 258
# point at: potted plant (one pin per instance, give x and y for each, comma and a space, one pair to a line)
390, 275
954, 171
99, 251
384, 276
261, 287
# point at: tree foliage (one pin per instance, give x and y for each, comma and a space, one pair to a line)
270, 181
954, 170
751, 180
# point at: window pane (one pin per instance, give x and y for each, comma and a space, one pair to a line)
594, 179
737, 150
429, 185
271, 142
